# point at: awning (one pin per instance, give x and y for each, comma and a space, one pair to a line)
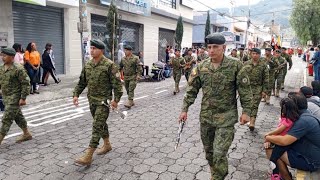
35, 2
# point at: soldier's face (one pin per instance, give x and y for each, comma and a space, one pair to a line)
216, 50
268, 53
276, 54
255, 55
241, 51
95, 52
127, 52
6, 59
177, 53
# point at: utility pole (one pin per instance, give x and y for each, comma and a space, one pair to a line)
248, 25
82, 25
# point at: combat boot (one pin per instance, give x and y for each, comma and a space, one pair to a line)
277, 93
263, 99
252, 123
178, 89
127, 104
267, 100
1, 138
105, 148
131, 102
26, 136
86, 159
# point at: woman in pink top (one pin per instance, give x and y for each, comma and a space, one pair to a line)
18, 58
289, 114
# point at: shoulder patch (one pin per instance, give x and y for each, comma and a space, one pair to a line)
245, 80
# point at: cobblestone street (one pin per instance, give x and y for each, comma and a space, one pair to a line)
143, 143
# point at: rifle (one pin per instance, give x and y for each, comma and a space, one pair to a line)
181, 125
122, 114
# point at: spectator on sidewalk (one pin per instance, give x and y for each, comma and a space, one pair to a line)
32, 65
301, 145
18, 58
144, 67
313, 101
289, 114
48, 65
316, 63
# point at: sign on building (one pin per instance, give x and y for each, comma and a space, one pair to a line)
142, 7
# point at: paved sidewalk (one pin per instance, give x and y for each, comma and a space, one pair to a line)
143, 143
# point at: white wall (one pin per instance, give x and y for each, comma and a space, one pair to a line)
6, 20
73, 61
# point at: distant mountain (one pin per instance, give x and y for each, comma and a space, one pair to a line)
260, 12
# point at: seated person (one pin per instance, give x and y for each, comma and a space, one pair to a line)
313, 101
301, 144
144, 67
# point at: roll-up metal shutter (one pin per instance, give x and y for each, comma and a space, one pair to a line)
41, 25
166, 38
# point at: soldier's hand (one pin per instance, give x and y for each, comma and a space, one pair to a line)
138, 78
244, 119
183, 116
114, 105
22, 102
75, 101
289, 68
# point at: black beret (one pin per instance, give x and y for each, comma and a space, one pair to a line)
257, 50
176, 50
8, 51
284, 48
278, 51
268, 49
128, 47
98, 44
241, 49
307, 91
215, 38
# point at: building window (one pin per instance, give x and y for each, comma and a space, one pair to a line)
168, 3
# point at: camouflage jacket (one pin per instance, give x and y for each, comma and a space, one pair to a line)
189, 61
282, 64
288, 59
272, 63
244, 58
131, 67
219, 87
101, 79
258, 75
202, 57
177, 64
14, 83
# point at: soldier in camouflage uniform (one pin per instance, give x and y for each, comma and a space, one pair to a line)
272, 65
15, 86
285, 55
189, 61
220, 78
280, 71
258, 73
202, 55
177, 64
243, 56
234, 54
101, 76
131, 68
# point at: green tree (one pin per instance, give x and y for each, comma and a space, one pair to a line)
207, 30
305, 20
179, 33
112, 27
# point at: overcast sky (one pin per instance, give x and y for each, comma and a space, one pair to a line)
221, 3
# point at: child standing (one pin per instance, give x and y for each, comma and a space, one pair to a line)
289, 114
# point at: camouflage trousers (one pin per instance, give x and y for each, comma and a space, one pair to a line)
130, 86
255, 104
176, 77
100, 115
187, 74
279, 80
12, 113
216, 142
272, 80
285, 70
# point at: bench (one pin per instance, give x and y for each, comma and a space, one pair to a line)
305, 175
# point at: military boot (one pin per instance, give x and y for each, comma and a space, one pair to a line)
252, 123
267, 100
131, 102
86, 159
127, 104
1, 138
263, 99
26, 136
105, 148
277, 93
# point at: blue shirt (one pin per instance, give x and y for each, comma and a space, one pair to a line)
307, 130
